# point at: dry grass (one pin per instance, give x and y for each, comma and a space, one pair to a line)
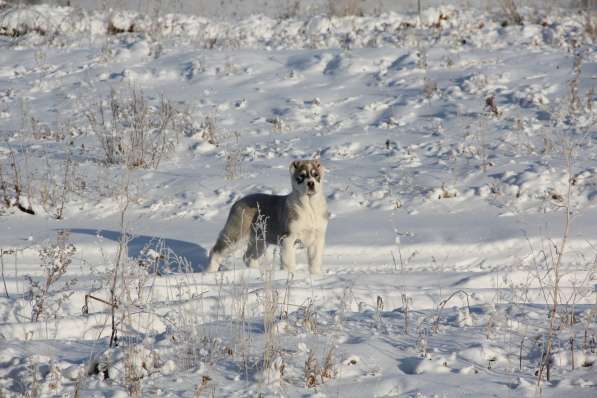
510, 9
345, 8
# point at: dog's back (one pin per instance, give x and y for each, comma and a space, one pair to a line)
252, 216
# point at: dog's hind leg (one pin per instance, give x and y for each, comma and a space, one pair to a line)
217, 253
237, 228
255, 250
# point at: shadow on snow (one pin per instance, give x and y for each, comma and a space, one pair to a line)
195, 254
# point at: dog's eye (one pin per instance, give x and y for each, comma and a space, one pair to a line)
315, 174
300, 179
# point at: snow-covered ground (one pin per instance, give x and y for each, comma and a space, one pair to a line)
454, 145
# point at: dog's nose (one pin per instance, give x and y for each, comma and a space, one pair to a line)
310, 184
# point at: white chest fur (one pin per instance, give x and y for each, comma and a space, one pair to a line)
310, 221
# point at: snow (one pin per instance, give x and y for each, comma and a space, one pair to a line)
447, 215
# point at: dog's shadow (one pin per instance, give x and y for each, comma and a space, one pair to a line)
193, 255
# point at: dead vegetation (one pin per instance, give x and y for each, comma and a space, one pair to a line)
133, 133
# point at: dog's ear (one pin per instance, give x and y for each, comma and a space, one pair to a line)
316, 163
294, 165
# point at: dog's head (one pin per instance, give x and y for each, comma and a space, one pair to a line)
306, 176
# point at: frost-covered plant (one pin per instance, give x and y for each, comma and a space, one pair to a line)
209, 131
278, 124
133, 133
47, 298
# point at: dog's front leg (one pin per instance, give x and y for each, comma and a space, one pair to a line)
315, 253
288, 254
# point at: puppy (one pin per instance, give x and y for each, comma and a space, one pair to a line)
285, 220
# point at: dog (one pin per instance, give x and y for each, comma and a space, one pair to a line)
284, 220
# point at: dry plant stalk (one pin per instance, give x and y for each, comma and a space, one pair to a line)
328, 370
269, 300
575, 109
309, 316
405, 305
120, 259
443, 303
132, 378
310, 370
2, 253
556, 269
200, 388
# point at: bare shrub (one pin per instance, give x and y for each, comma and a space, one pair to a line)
133, 133
13, 24
46, 297
209, 131
316, 374
54, 190
12, 186
511, 10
